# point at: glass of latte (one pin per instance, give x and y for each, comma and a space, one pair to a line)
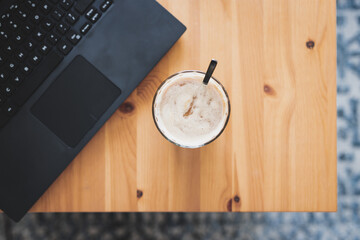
189, 113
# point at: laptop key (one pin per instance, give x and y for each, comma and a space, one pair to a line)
4, 35
21, 14
64, 47
8, 89
12, 66
3, 76
46, 8
31, 4
8, 49
26, 69
47, 24
105, 5
39, 35
82, 5
44, 49
35, 59
27, 28
13, 24
30, 45
13, 6
62, 28
57, 14
53, 38
95, 17
16, 80
46, 66
18, 38
85, 28
10, 109
71, 17
5, 16
66, 4
36, 18
73, 37
90, 13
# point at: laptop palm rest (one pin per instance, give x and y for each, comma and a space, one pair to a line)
75, 101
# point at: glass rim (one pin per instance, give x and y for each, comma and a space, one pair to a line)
178, 144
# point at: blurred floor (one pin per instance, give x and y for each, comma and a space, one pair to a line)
2, 230
345, 224
188, 226
212, 226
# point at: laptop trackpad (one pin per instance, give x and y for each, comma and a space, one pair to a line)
74, 102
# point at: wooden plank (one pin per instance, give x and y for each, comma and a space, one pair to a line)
152, 150
248, 104
120, 157
277, 60
184, 168
216, 162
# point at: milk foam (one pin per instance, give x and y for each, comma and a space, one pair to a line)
189, 112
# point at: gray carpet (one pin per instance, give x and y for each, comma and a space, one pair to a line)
345, 224
189, 226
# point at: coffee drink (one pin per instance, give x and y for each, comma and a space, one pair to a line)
188, 112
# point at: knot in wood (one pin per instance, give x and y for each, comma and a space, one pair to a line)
139, 193
310, 44
126, 107
229, 205
269, 90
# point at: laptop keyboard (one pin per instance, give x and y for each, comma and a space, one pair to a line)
35, 36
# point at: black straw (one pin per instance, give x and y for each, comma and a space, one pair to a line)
210, 71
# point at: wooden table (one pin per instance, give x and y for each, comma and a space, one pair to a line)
277, 60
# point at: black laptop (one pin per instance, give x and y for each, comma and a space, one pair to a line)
65, 67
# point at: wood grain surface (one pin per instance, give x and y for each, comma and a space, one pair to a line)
277, 60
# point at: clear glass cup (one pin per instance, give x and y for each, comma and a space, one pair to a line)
170, 81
